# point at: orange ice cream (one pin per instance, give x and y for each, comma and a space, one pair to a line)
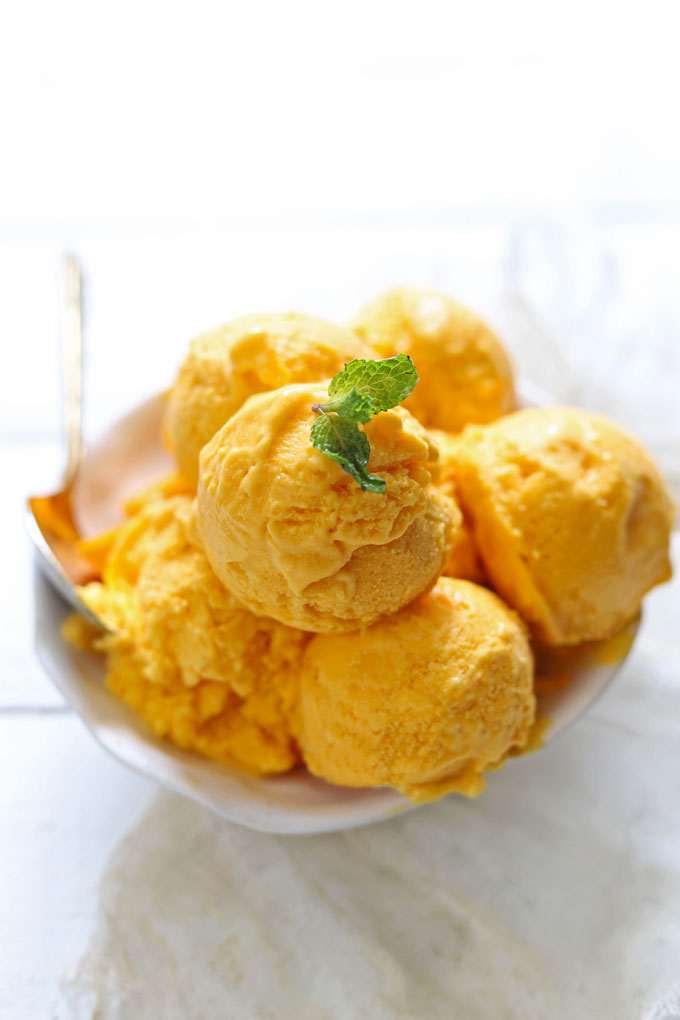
424, 701
200, 668
571, 517
410, 679
294, 537
465, 373
250, 355
464, 560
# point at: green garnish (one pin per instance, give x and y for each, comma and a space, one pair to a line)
360, 390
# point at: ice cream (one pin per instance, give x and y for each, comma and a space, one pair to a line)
465, 373
200, 669
249, 355
571, 518
464, 560
424, 701
294, 537
266, 606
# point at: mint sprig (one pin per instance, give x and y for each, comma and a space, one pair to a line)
345, 443
386, 382
358, 392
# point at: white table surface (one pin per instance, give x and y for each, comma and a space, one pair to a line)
63, 803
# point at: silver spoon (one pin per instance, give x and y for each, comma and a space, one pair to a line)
49, 519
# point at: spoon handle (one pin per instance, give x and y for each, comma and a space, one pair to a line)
72, 365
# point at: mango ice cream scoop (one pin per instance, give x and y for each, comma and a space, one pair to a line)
294, 537
570, 516
202, 670
464, 560
465, 374
424, 701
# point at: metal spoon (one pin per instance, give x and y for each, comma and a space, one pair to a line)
49, 519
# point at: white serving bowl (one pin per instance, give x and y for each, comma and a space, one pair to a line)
128, 457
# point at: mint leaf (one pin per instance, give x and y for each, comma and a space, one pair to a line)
386, 382
360, 390
352, 406
346, 444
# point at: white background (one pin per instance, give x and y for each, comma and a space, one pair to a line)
206, 160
